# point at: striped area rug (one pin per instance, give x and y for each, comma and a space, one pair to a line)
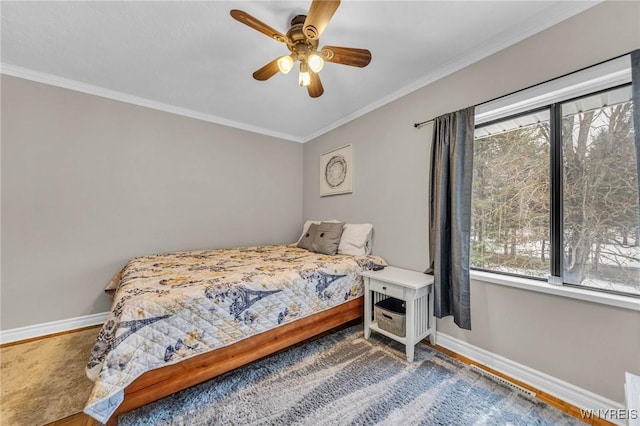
342, 379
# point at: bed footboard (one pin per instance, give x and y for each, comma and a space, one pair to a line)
156, 384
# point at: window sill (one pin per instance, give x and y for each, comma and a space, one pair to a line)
619, 301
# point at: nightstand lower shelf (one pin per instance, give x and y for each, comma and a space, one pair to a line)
374, 327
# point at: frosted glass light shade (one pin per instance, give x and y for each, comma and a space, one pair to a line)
285, 64
304, 79
315, 62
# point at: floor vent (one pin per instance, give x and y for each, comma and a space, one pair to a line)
503, 381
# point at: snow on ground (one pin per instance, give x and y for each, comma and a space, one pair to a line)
612, 256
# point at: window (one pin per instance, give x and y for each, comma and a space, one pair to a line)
555, 192
511, 193
600, 193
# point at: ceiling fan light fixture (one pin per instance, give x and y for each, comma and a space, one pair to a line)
302, 40
315, 62
285, 64
304, 78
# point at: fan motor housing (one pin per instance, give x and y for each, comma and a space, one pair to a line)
301, 45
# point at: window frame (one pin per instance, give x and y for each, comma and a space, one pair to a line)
499, 120
556, 187
583, 294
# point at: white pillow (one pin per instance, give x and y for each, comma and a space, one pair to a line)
356, 239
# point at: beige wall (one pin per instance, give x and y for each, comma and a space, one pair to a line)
88, 183
587, 344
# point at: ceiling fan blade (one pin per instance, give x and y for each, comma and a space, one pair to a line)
346, 56
315, 89
258, 25
268, 71
319, 15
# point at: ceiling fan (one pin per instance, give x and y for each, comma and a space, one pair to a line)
302, 40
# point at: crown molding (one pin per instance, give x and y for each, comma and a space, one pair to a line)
90, 89
539, 23
534, 25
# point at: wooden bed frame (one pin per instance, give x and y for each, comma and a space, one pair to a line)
156, 384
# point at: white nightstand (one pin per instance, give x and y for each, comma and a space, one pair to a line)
416, 289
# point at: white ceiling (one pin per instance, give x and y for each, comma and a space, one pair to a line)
192, 58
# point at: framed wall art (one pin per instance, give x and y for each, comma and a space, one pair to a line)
336, 171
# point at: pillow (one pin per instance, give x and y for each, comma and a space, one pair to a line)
308, 223
307, 238
356, 239
327, 237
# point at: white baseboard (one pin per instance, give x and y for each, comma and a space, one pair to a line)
38, 330
565, 391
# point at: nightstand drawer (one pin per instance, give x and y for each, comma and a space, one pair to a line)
386, 288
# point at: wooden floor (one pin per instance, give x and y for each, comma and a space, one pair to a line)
572, 410
82, 419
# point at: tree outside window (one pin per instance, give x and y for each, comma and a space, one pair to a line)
600, 194
512, 191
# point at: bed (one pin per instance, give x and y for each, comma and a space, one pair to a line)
180, 319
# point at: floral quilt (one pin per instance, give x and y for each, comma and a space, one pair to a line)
170, 307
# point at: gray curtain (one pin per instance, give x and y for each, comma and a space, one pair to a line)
635, 99
450, 214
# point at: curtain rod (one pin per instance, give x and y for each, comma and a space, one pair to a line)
424, 123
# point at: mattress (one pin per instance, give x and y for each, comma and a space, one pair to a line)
170, 307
